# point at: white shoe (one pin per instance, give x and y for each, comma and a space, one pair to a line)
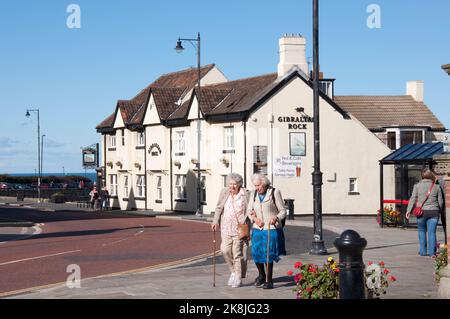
232, 279
237, 283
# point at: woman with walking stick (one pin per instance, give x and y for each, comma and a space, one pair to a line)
230, 214
266, 210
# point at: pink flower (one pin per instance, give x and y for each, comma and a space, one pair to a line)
392, 278
370, 263
312, 269
298, 264
298, 277
290, 273
386, 271
381, 263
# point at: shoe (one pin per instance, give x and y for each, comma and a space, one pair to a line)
259, 281
232, 279
237, 283
268, 285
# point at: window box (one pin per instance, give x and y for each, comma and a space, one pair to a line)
181, 200
140, 198
228, 152
112, 149
354, 193
158, 201
140, 147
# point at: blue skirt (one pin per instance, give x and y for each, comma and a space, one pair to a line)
259, 245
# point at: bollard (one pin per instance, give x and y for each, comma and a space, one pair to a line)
289, 203
350, 246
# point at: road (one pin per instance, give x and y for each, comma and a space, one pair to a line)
99, 243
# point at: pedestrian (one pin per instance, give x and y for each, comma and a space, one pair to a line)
267, 212
105, 198
95, 196
231, 211
427, 195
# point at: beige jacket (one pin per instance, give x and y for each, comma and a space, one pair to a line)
267, 209
221, 203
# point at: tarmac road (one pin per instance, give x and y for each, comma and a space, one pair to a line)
99, 243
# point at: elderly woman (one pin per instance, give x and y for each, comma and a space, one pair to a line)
427, 195
231, 210
267, 211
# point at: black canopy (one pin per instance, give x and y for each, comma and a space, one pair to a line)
414, 154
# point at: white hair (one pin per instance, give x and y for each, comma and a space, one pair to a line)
262, 178
235, 177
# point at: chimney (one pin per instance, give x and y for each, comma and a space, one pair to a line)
415, 89
292, 53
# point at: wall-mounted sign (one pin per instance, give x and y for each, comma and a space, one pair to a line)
296, 122
297, 144
156, 152
90, 156
260, 159
287, 166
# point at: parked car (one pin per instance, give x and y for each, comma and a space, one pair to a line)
5, 186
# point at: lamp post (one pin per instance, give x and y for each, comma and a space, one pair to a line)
179, 48
42, 153
39, 149
318, 246
64, 174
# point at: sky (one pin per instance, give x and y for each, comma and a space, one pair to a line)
76, 75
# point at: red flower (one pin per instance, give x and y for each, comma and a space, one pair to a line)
381, 263
386, 271
336, 270
298, 264
308, 289
298, 277
290, 273
392, 278
370, 263
312, 269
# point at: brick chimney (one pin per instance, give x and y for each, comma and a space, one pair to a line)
415, 89
292, 53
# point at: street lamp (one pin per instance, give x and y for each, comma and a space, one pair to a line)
42, 153
318, 246
64, 174
39, 149
179, 48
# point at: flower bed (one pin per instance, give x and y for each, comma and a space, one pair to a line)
441, 261
391, 216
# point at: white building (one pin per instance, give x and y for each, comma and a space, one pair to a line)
259, 124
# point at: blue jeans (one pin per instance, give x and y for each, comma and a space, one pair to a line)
427, 225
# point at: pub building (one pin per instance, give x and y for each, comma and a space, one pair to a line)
260, 124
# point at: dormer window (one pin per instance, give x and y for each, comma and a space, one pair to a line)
327, 87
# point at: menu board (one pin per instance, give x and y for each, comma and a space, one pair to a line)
287, 166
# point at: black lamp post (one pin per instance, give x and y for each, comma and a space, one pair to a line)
39, 150
179, 48
318, 246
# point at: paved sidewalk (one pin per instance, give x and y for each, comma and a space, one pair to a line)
398, 248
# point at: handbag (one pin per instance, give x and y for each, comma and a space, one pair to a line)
243, 229
418, 211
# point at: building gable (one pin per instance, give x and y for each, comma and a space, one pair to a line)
151, 114
119, 122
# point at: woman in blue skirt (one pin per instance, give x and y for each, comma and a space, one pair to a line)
266, 210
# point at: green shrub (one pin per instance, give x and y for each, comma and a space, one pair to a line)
58, 198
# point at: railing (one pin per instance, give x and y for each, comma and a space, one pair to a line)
72, 195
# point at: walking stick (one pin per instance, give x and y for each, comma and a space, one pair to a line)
214, 259
267, 253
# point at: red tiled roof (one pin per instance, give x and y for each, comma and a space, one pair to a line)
376, 112
108, 122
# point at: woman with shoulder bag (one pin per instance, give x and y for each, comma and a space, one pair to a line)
266, 210
231, 215
427, 201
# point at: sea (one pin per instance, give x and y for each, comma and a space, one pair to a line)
90, 175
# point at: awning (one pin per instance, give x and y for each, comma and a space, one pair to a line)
414, 154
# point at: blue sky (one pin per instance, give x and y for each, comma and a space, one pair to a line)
75, 76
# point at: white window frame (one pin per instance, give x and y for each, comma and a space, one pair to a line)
180, 187
228, 134
113, 184
140, 186
159, 190
180, 142
353, 185
112, 141
126, 185
140, 139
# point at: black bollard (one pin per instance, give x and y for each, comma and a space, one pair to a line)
351, 266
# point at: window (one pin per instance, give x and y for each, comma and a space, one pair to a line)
125, 186
113, 185
180, 186
410, 137
203, 189
123, 137
112, 141
141, 139
229, 138
140, 186
392, 140
224, 179
180, 143
159, 188
353, 185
